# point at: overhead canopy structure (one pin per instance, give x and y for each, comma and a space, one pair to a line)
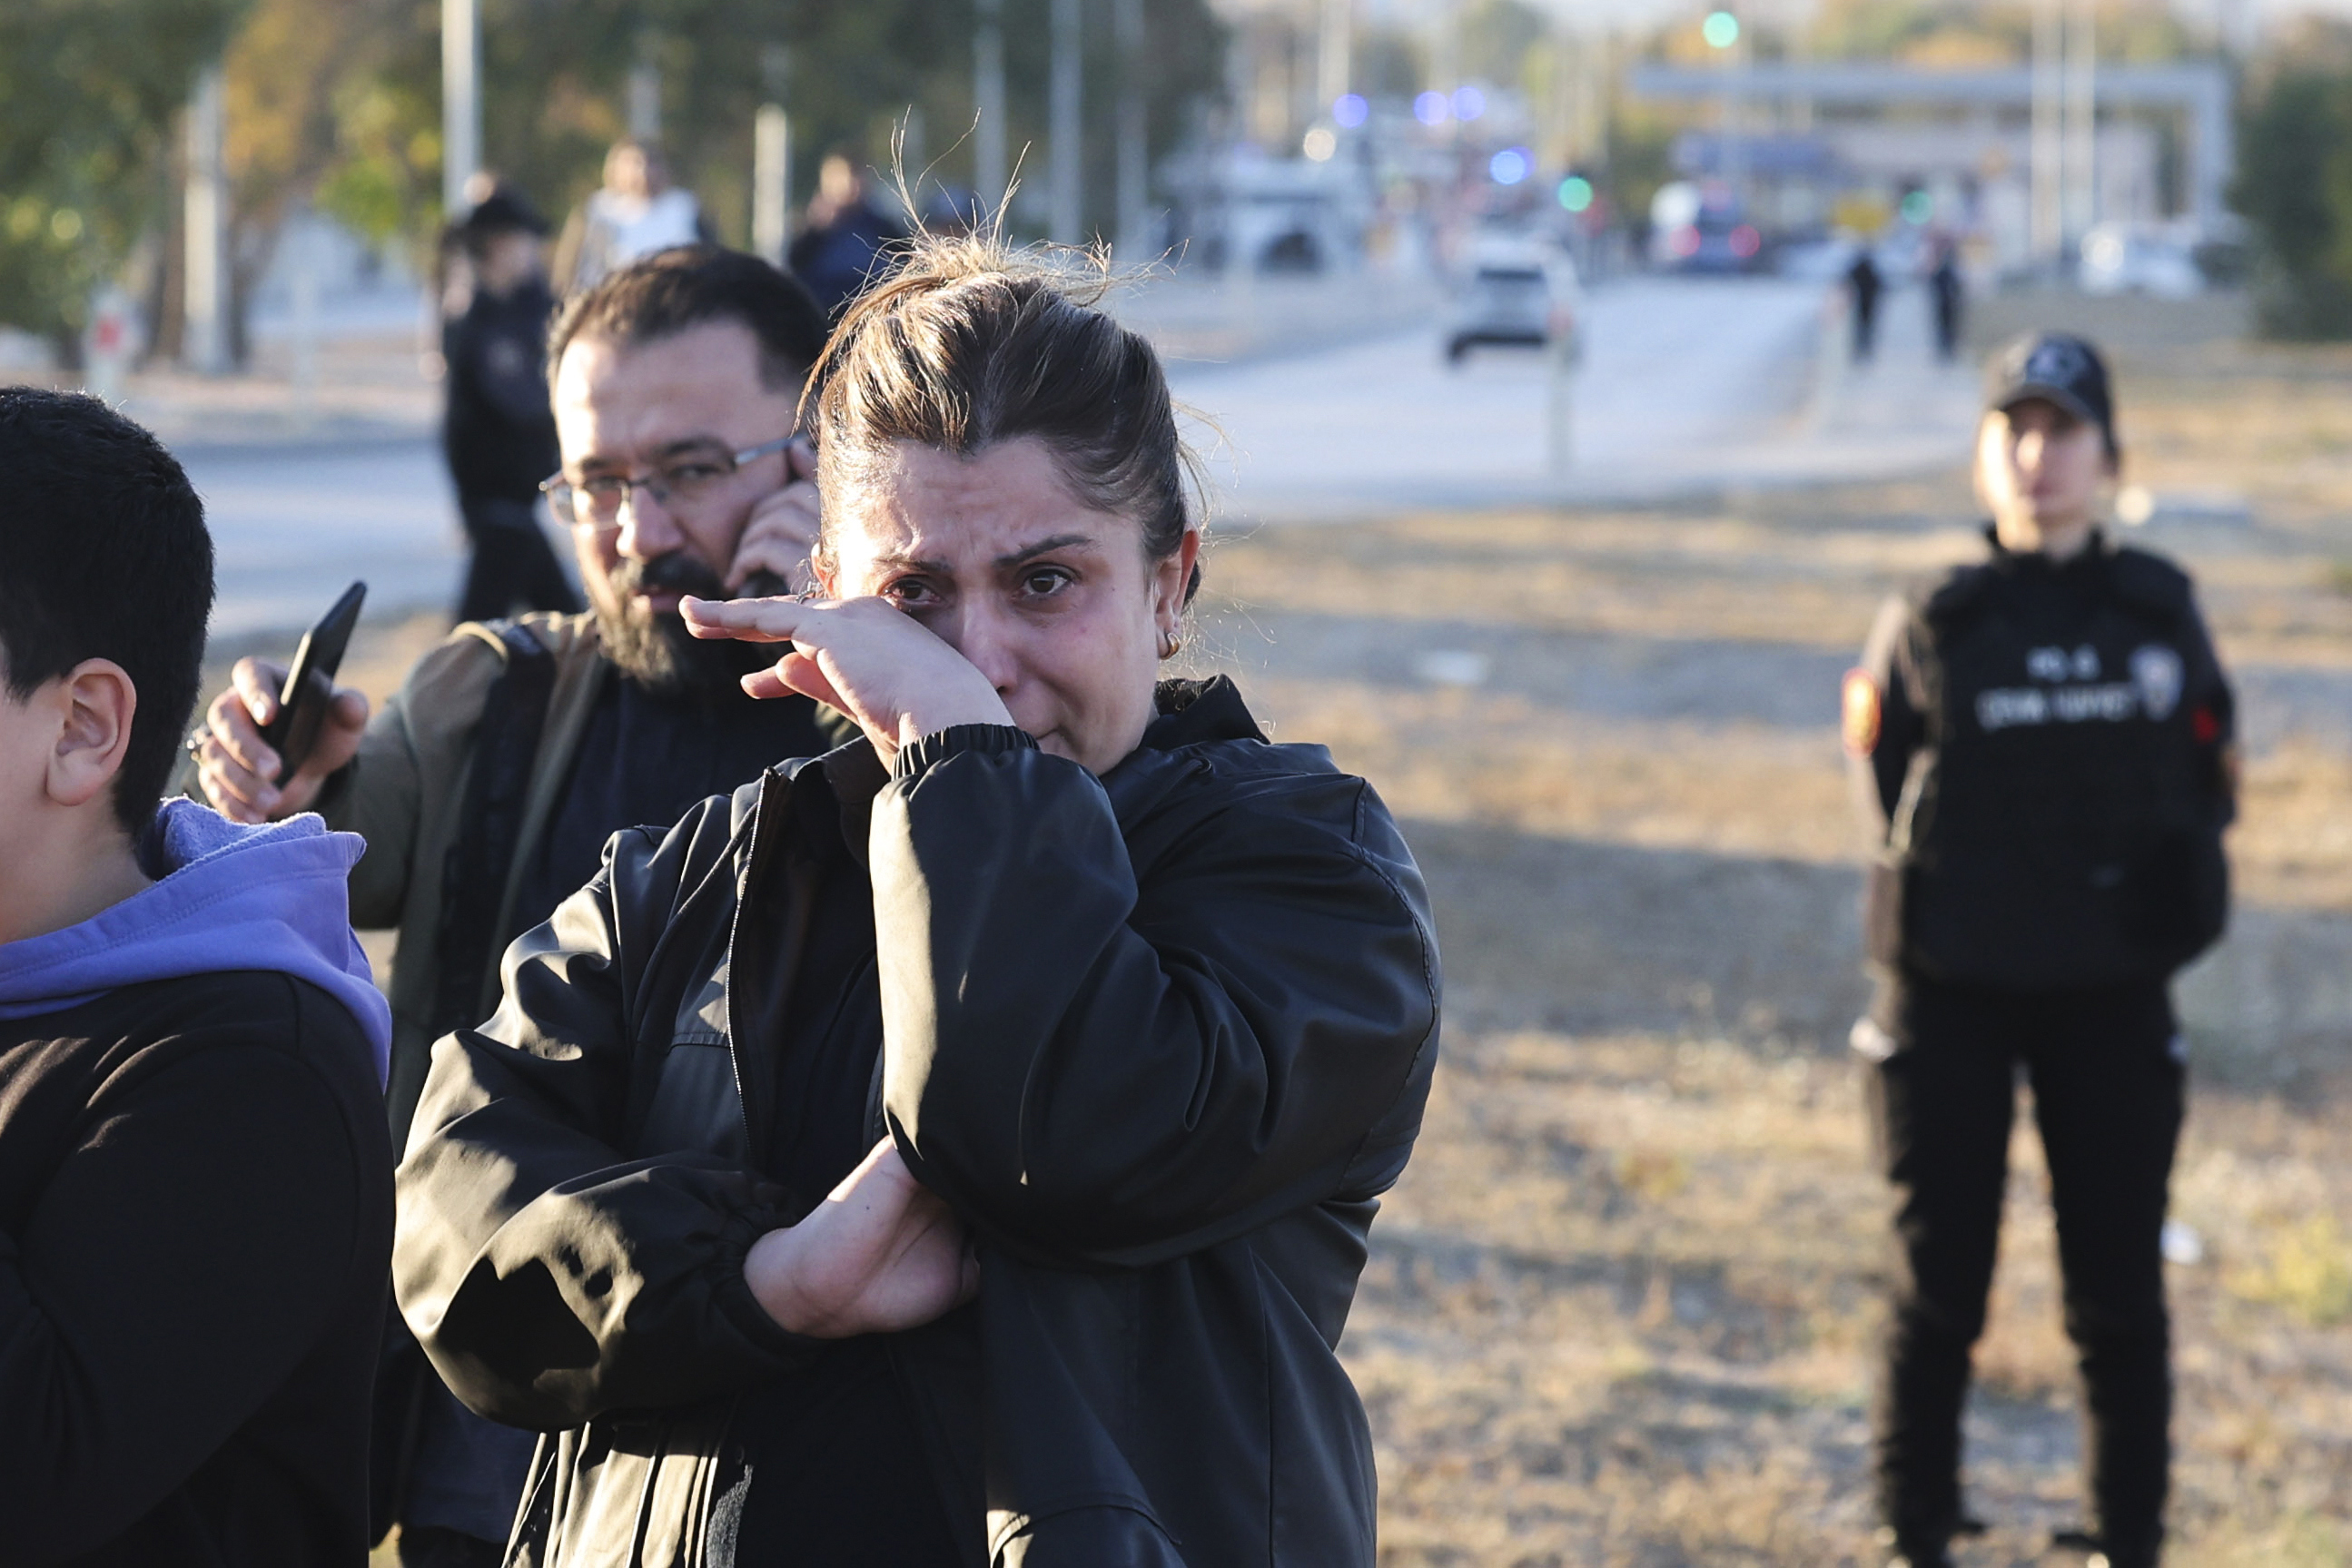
2200, 88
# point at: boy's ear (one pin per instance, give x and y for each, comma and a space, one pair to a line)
94, 702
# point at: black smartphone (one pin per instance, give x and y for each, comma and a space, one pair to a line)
311, 683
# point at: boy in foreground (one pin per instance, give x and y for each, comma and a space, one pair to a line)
195, 1193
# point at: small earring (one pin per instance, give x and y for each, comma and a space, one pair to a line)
1171, 645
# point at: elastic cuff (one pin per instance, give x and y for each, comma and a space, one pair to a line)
989, 739
732, 1293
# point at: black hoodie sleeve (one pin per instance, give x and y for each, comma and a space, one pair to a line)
1099, 1063
197, 1239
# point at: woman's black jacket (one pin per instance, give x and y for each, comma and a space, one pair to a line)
1161, 1039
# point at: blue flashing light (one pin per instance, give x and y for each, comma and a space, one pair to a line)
1510, 166
1349, 110
1721, 29
1432, 108
1469, 103
1575, 193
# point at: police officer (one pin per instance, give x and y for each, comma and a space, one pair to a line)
2041, 748
496, 432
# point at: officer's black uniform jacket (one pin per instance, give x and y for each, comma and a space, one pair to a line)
2044, 775
1161, 1039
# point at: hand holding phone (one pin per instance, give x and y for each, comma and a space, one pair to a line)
771, 559
271, 739
311, 685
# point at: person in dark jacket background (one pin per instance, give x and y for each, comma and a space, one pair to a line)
840, 251
1864, 283
2041, 747
497, 431
958, 1149
195, 1185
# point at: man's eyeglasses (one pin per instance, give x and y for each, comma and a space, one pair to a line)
594, 503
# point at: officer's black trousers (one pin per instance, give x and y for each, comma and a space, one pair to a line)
2107, 1097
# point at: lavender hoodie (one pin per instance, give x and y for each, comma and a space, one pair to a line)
230, 897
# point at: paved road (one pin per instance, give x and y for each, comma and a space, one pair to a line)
292, 525
1685, 384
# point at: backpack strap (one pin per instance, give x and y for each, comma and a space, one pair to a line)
474, 878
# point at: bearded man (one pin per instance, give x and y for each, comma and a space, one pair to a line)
488, 786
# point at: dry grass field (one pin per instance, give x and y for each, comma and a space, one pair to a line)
1620, 1308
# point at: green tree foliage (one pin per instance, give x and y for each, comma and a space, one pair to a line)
89, 95
2295, 184
554, 76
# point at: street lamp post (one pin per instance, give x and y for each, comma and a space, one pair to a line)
2081, 123
205, 302
461, 102
988, 99
1724, 34
772, 161
1069, 151
2048, 226
1134, 160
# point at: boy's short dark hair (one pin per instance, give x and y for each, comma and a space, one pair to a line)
691, 285
103, 555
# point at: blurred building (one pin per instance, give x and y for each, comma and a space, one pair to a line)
1964, 138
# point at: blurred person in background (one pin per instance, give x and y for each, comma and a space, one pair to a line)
634, 214
495, 429
2042, 759
839, 250
1069, 987
1864, 283
195, 1189
488, 785
1946, 295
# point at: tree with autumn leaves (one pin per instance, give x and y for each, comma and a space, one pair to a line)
337, 103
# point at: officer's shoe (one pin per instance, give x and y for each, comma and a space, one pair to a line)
1917, 1552
2098, 1554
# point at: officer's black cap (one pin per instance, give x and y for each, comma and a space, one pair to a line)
504, 211
2058, 368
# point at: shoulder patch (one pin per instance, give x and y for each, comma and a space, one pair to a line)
1860, 705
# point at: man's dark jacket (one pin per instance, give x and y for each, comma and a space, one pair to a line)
1161, 1039
196, 1203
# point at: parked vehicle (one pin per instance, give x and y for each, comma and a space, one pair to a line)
2128, 258
1521, 295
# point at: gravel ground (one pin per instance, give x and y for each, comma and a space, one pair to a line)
1619, 1310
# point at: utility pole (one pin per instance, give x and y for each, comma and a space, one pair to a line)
771, 160
988, 166
1134, 156
645, 92
2049, 222
461, 102
1069, 150
2081, 123
204, 342
1335, 53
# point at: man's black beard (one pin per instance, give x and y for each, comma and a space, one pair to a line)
656, 651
